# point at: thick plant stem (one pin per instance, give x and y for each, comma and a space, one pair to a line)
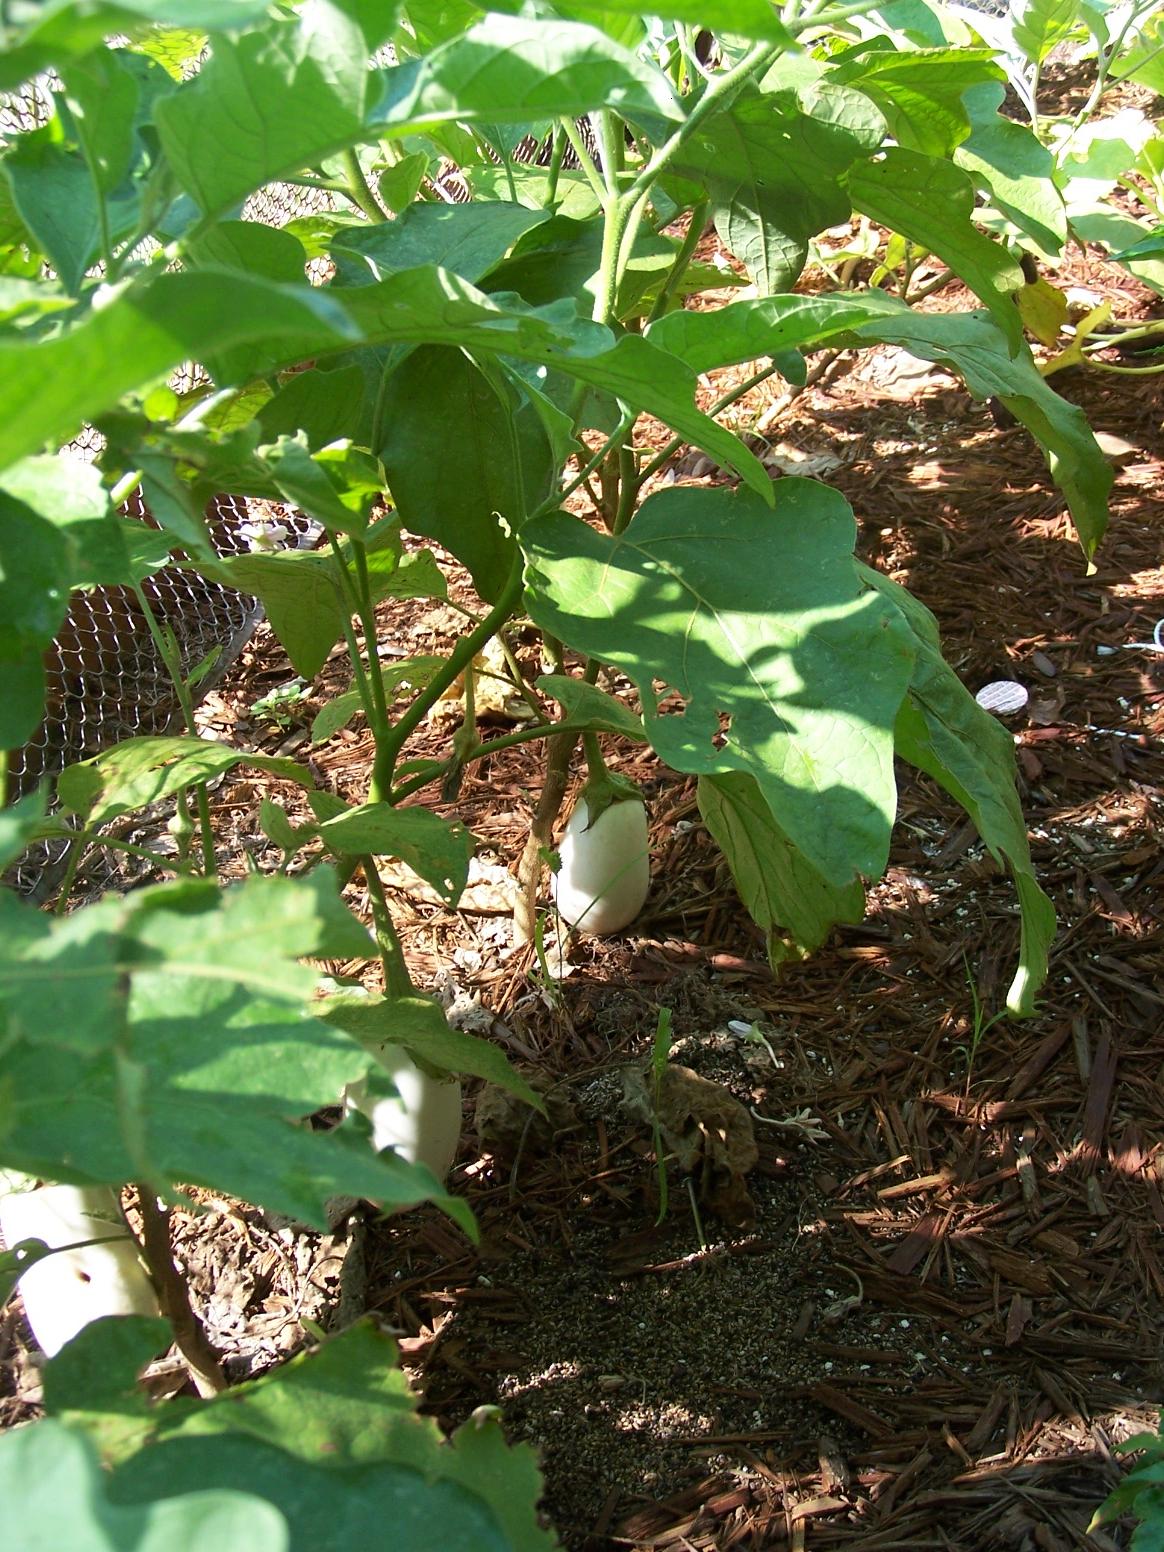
163, 641
397, 981
541, 830
541, 835
357, 189
459, 659
174, 1298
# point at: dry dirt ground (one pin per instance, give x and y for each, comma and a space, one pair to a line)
947, 1308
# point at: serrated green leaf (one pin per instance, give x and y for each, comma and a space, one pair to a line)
437, 849
753, 616
781, 891
140, 771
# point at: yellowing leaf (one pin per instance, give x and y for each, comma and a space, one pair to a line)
1043, 309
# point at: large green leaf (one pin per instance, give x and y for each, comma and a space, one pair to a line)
943, 731
101, 92
469, 240
268, 101
782, 892
258, 251
302, 593
965, 342
36, 571
56, 1495
788, 666
1037, 26
61, 30
437, 849
509, 70
104, 550
342, 1414
919, 90
54, 194
744, 18
773, 165
466, 460
1013, 166
46, 389
165, 1037
931, 202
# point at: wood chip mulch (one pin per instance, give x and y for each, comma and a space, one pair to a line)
948, 1309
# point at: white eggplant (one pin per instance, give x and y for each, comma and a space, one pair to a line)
605, 870
63, 1293
422, 1122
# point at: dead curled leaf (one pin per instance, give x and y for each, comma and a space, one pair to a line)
707, 1130
507, 1126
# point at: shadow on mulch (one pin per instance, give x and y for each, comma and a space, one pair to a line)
949, 1306
949, 1309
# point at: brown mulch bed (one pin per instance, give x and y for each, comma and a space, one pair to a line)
948, 1307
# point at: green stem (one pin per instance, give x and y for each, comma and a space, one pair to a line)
125, 487
585, 160
61, 904
1126, 371
3, 778
556, 154
681, 261
490, 746
163, 642
595, 764
462, 654
597, 459
397, 981
822, 18
358, 190
676, 443
381, 727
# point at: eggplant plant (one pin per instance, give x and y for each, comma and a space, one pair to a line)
460, 344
